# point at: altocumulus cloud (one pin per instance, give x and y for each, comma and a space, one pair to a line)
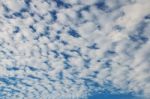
55, 49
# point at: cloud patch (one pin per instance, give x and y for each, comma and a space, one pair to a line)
74, 48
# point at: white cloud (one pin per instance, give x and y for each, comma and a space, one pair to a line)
14, 5
119, 65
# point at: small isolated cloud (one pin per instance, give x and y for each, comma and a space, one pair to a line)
70, 49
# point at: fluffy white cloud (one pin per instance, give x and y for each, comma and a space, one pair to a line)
107, 49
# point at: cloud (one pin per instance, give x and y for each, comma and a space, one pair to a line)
72, 49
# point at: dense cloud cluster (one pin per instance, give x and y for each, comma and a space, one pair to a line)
72, 48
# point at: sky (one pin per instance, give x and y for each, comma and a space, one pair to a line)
112, 96
74, 49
